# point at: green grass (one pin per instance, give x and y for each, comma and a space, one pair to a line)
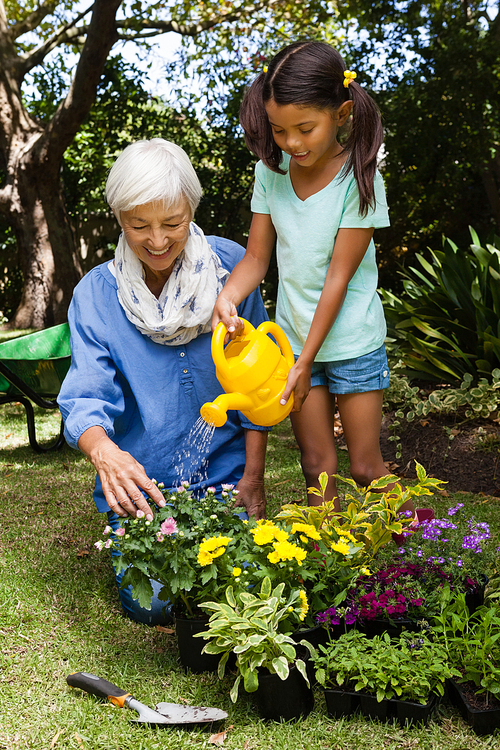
60, 613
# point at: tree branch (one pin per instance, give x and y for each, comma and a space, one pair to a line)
72, 111
64, 34
70, 33
33, 20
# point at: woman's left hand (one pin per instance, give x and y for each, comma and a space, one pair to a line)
251, 497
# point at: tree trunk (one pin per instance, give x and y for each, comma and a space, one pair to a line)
47, 251
30, 159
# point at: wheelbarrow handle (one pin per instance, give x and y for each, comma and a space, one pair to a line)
95, 685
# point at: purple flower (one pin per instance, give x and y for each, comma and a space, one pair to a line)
328, 617
452, 511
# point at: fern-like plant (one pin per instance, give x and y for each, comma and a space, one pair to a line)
447, 323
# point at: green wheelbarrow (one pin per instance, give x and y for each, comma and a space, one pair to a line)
32, 368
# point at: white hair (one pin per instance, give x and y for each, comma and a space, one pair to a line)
155, 171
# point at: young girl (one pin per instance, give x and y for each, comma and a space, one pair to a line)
320, 201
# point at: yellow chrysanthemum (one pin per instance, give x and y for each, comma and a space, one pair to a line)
236, 572
214, 542
286, 551
204, 558
266, 532
304, 605
307, 529
341, 547
346, 533
366, 571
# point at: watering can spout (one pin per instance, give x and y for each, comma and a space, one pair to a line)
215, 412
253, 371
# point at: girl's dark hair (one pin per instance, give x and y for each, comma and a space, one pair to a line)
311, 74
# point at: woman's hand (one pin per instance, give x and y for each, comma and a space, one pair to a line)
298, 383
251, 497
122, 477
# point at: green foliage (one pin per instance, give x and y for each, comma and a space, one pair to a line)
435, 68
251, 627
473, 643
412, 667
447, 322
469, 401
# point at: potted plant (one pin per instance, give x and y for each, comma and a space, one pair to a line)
190, 547
254, 627
343, 546
473, 644
459, 545
394, 597
384, 677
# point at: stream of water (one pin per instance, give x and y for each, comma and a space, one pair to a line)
191, 458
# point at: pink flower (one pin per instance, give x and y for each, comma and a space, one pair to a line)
140, 514
108, 543
120, 531
99, 545
227, 487
168, 526
107, 530
159, 537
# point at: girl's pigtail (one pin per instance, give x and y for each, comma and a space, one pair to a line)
363, 143
254, 121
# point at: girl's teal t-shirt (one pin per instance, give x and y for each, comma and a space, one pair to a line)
306, 232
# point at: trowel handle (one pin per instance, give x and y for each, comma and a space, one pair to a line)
274, 329
97, 686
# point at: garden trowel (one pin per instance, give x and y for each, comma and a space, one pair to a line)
167, 713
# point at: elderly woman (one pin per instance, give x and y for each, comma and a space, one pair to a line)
141, 365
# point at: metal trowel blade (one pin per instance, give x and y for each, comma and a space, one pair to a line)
190, 714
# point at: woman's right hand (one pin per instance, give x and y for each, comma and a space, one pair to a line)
122, 477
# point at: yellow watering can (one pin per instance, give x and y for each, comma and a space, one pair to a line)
253, 371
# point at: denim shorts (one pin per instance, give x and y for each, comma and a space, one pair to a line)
370, 372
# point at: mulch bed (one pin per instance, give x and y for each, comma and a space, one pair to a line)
464, 454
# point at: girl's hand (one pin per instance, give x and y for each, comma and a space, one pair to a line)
225, 312
298, 382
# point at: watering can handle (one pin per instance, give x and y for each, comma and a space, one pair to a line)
218, 337
280, 336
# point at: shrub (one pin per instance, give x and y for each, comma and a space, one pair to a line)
447, 324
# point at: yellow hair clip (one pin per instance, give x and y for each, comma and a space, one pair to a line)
349, 75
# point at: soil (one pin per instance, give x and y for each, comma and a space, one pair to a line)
478, 702
466, 454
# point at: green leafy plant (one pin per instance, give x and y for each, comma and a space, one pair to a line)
472, 641
447, 324
251, 627
190, 547
412, 667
